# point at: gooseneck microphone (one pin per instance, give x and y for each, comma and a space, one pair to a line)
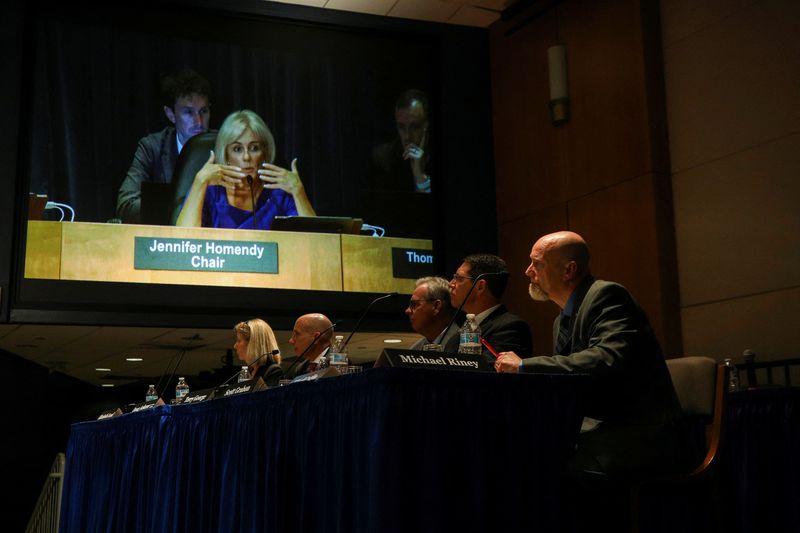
179, 355
257, 359
249, 179
312, 343
364, 314
474, 282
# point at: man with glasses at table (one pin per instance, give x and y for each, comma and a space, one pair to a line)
478, 287
430, 312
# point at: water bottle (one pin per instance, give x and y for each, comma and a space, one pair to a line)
244, 374
470, 337
151, 394
733, 376
337, 357
181, 389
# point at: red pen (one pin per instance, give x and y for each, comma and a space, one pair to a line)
489, 347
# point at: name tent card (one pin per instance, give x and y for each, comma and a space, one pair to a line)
198, 396
144, 406
111, 413
438, 360
328, 372
251, 385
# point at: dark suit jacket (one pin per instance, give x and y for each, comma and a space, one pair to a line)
388, 169
505, 331
629, 387
271, 374
153, 161
451, 332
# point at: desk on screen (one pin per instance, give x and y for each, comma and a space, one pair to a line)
82, 251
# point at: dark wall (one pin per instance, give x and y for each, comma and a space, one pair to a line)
37, 410
604, 173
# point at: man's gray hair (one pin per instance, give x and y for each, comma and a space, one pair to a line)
438, 289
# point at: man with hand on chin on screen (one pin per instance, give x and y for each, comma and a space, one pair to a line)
403, 163
632, 425
185, 97
478, 287
311, 338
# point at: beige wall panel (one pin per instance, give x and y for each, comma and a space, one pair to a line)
515, 241
620, 226
768, 324
528, 161
682, 18
607, 140
735, 84
738, 223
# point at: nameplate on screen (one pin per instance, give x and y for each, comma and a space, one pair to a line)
157, 253
411, 263
243, 387
438, 360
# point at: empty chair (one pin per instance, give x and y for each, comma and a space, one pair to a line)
700, 383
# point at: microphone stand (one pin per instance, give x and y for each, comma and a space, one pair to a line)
312, 343
273, 352
474, 283
364, 314
181, 353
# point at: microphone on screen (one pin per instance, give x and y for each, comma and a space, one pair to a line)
249, 179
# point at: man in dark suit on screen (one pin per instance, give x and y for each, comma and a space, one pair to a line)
186, 103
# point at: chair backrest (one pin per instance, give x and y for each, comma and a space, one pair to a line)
693, 378
191, 159
700, 383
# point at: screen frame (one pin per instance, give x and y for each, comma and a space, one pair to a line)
75, 302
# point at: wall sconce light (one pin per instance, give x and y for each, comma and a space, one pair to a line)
559, 94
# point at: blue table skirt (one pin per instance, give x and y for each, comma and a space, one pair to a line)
385, 450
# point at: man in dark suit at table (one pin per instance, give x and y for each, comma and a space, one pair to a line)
632, 427
185, 98
501, 329
311, 338
430, 312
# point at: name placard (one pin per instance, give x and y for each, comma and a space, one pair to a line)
411, 263
156, 253
251, 385
327, 372
439, 360
111, 413
198, 396
144, 406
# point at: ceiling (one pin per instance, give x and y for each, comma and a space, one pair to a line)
78, 351
478, 13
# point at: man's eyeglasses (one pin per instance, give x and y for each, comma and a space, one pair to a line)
413, 304
459, 278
